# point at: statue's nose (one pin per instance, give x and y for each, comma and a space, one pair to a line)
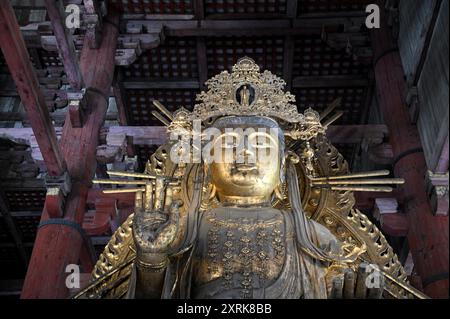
246, 156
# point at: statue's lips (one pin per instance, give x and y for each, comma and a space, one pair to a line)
245, 167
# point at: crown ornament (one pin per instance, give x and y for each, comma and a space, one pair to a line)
245, 92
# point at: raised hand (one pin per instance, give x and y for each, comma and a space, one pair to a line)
156, 221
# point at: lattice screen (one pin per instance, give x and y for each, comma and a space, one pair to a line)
49, 59
154, 6
25, 200
5, 235
12, 266
322, 6
318, 98
27, 226
176, 58
223, 53
140, 103
314, 57
245, 6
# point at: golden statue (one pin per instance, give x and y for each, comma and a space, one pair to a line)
265, 212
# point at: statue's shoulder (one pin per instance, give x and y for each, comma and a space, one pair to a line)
321, 235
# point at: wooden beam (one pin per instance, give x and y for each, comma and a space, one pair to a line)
297, 82
142, 135
212, 27
437, 189
353, 134
57, 117
119, 95
291, 8
199, 9
142, 85
392, 221
64, 41
59, 245
157, 135
153, 17
22, 184
442, 164
337, 134
93, 18
18, 60
11, 287
365, 201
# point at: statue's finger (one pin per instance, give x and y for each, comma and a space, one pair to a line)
349, 284
148, 197
175, 211
138, 205
168, 199
361, 288
337, 286
159, 194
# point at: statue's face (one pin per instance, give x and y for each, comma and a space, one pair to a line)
248, 163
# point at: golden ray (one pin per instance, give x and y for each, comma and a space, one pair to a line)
160, 118
163, 109
384, 172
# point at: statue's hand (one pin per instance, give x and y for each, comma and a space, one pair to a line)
366, 283
156, 222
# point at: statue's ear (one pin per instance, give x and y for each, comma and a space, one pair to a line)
284, 158
209, 187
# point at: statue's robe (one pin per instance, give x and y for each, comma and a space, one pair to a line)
301, 276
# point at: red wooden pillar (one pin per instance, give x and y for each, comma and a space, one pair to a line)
427, 234
18, 60
59, 242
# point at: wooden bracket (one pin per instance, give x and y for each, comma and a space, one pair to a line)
93, 20
437, 189
57, 189
392, 221
76, 114
77, 108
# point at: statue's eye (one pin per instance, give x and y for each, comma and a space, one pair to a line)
229, 144
260, 140
229, 140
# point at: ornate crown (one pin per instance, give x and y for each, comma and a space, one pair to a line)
247, 91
